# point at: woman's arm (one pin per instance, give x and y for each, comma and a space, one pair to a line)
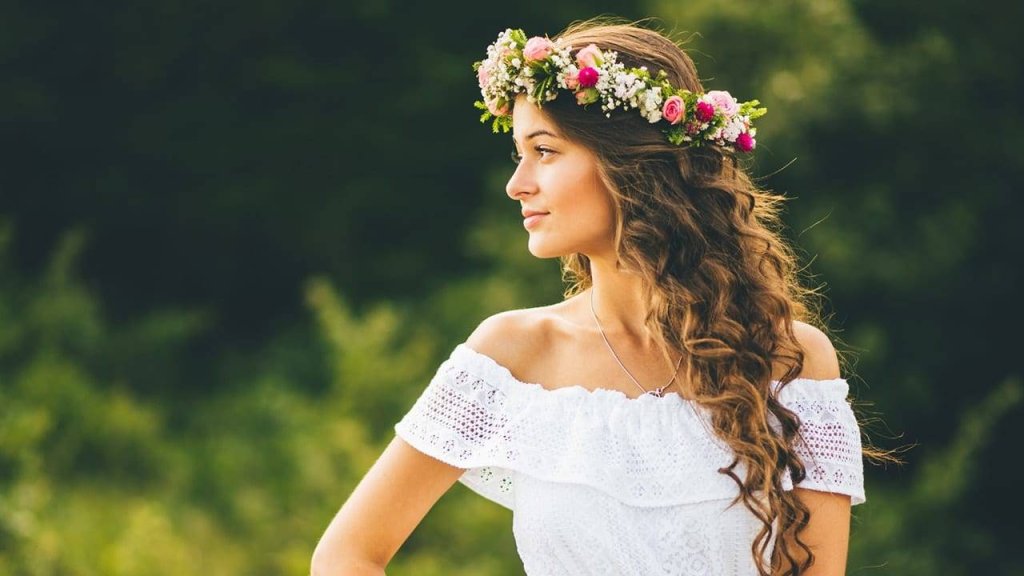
828, 530
402, 486
383, 510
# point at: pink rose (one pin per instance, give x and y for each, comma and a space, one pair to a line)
587, 77
572, 80
498, 107
674, 109
745, 142
723, 101
705, 112
483, 76
537, 48
589, 57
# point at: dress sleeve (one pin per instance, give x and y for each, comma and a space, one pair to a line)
828, 443
461, 418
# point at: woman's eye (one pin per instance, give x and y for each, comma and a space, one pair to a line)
542, 151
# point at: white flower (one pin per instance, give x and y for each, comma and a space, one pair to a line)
652, 100
732, 130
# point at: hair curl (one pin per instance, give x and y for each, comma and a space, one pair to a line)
720, 281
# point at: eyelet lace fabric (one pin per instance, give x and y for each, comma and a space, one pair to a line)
600, 483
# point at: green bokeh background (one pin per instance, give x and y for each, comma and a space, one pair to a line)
237, 240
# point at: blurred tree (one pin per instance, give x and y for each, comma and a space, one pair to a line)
220, 155
95, 480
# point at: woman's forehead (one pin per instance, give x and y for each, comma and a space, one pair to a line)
528, 122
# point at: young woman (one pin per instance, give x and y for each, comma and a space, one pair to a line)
677, 413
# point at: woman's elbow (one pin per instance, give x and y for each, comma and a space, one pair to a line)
329, 562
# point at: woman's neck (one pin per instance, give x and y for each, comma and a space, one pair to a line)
618, 302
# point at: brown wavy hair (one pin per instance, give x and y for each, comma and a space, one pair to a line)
720, 282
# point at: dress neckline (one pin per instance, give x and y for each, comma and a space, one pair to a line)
574, 389
578, 389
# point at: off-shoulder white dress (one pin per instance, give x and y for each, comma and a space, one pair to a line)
601, 483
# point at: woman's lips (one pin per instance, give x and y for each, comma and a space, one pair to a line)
532, 220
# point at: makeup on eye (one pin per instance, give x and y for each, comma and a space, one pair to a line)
542, 150
536, 134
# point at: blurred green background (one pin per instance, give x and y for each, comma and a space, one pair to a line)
237, 239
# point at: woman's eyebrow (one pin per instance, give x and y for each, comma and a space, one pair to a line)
536, 133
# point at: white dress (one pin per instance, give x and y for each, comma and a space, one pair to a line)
600, 483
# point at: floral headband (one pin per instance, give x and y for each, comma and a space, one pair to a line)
538, 67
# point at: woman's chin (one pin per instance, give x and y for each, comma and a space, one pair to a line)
542, 250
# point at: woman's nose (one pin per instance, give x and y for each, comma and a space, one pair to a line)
521, 182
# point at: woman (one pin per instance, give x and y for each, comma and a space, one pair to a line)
677, 413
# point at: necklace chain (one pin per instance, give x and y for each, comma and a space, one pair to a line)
659, 392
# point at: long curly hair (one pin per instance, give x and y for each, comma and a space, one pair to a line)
721, 283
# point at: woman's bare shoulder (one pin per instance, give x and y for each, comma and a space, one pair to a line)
514, 338
820, 359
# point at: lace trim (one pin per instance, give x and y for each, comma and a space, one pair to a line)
829, 443
645, 451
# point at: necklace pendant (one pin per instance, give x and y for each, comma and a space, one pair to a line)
657, 392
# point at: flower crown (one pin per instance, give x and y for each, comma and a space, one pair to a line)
538, 67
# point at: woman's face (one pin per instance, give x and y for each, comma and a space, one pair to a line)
560, 179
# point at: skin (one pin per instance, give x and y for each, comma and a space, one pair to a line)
560, 177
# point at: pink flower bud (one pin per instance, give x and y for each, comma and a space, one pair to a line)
572, 80
745, 142
674, 110
588, 77
498, 107
587, 96
589, 57
537, 48
483, 76
705, 112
